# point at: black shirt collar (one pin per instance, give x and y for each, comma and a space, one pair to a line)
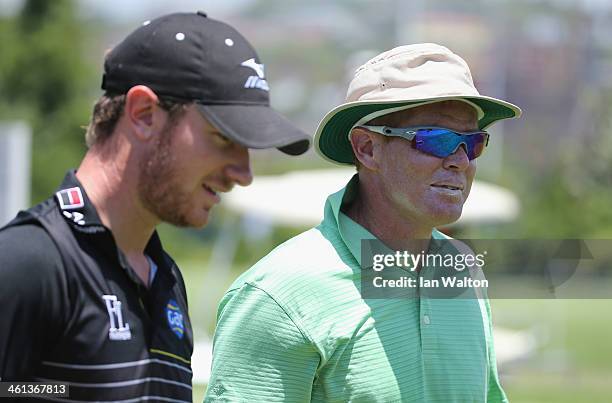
81, 214
76, 207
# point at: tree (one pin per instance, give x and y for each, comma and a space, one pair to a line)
43, 80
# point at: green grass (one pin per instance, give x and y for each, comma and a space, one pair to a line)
538, 387
205, 288
574, 361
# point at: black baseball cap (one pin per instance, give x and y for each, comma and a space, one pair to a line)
188, 56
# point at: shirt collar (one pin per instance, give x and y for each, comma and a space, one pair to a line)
81, 214
350, 231
75, 205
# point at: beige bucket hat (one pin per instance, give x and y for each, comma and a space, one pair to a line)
402, 78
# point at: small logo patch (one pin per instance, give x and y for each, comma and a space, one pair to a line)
252, 64
76, 217
70, 198
175, 318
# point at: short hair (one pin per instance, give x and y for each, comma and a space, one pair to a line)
109, 108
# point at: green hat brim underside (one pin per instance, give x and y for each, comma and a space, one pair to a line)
333, 143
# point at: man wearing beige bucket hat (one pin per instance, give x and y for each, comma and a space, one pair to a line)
305, 323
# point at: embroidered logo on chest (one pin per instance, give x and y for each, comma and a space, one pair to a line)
175, 318
119, 330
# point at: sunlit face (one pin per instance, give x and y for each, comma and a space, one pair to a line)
421, 188
191, 163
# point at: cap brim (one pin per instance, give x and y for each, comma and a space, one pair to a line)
257, 126
331, 138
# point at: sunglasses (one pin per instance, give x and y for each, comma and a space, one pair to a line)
438, 141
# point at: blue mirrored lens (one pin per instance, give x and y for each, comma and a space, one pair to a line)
442, 142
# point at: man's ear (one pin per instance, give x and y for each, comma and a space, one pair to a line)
143, 112
366, 147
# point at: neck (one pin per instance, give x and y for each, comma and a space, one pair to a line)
112, 188
373, 211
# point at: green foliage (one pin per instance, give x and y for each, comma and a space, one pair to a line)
572, 196
44, 81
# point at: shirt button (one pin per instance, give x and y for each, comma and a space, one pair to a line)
426, 319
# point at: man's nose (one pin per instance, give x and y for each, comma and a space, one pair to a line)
458, 160
239, 171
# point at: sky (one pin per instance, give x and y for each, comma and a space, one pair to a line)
135, 10
118, 10
130, 10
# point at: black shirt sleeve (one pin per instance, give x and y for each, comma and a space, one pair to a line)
32, 289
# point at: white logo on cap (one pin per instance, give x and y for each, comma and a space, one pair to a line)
259, 68
257, 81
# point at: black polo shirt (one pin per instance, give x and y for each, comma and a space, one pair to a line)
73, 310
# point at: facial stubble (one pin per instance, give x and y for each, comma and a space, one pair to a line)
159, 185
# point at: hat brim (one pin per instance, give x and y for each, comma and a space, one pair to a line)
332, 140
257, 126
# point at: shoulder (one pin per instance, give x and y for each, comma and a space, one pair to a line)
309, 256
31, 268
310, 278
27, 247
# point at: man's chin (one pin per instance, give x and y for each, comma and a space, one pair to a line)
448, 218
198, 225
195, 220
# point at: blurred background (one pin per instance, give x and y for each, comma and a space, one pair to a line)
546, 175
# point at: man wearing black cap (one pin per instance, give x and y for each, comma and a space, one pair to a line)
89, 296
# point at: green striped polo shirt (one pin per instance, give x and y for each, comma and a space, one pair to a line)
295, 328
